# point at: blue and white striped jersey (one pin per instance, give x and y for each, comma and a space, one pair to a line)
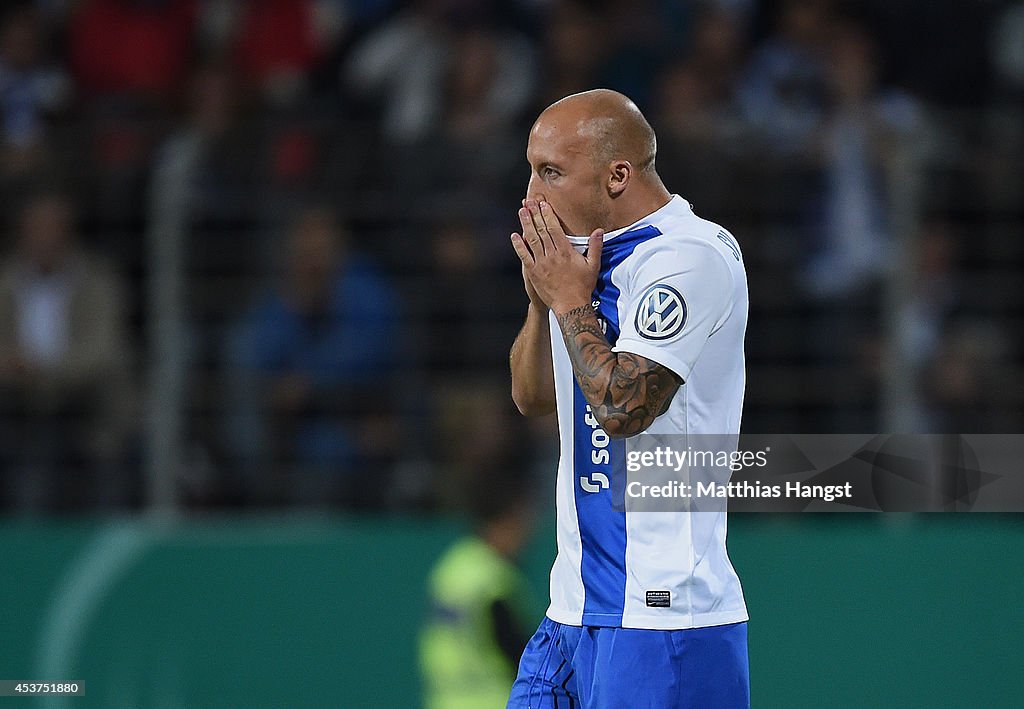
673, 289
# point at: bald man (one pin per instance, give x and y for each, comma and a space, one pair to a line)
635, 327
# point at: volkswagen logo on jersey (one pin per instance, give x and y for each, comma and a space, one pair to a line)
662, 313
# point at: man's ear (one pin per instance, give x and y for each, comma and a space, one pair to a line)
620, 174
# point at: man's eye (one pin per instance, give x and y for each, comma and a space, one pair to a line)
549, 172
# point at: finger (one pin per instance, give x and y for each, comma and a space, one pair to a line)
552, 225
595, 244
530, 235
522, 250
541, 227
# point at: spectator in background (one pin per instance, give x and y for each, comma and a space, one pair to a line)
64, 368
474, 137
469, 306
933, 303
702, 137
1006, 120
641, 35
783, 92
935, 293
464, 309
275, 44
477, 629
863, 128
227, 201
698, 137
1007, 49
136, 48
965, 386
574, 49
701, 133
29, 88
718, 51
400, 66
130, 60
480, 96
473, 425
405, 62
314, 368
959, 356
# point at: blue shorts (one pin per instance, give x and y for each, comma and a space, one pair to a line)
571, 667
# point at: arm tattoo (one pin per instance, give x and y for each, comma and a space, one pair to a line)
626, 392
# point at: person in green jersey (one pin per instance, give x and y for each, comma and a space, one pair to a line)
475, 632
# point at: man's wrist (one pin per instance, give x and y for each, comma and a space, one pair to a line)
563, 308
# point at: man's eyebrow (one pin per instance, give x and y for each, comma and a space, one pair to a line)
547, 163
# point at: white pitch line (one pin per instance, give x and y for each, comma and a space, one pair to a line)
98, 568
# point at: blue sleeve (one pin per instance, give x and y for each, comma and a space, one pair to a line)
263, 339
363, 337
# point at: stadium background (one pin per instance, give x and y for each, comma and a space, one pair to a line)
202, 508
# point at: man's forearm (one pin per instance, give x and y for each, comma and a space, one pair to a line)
533, 382
626, 392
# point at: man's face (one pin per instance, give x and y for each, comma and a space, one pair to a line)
314, 254
46, 232
565, 173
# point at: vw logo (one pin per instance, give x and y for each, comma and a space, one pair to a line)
662, 313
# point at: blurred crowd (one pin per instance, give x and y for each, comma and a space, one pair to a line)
320, 192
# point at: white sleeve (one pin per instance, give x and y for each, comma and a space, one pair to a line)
673, 300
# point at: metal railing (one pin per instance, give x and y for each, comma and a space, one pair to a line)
435, 242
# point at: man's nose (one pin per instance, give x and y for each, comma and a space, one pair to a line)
532, 192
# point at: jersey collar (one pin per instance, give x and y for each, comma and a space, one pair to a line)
675, 204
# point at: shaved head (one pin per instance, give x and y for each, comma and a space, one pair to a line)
591, 158
608, 124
